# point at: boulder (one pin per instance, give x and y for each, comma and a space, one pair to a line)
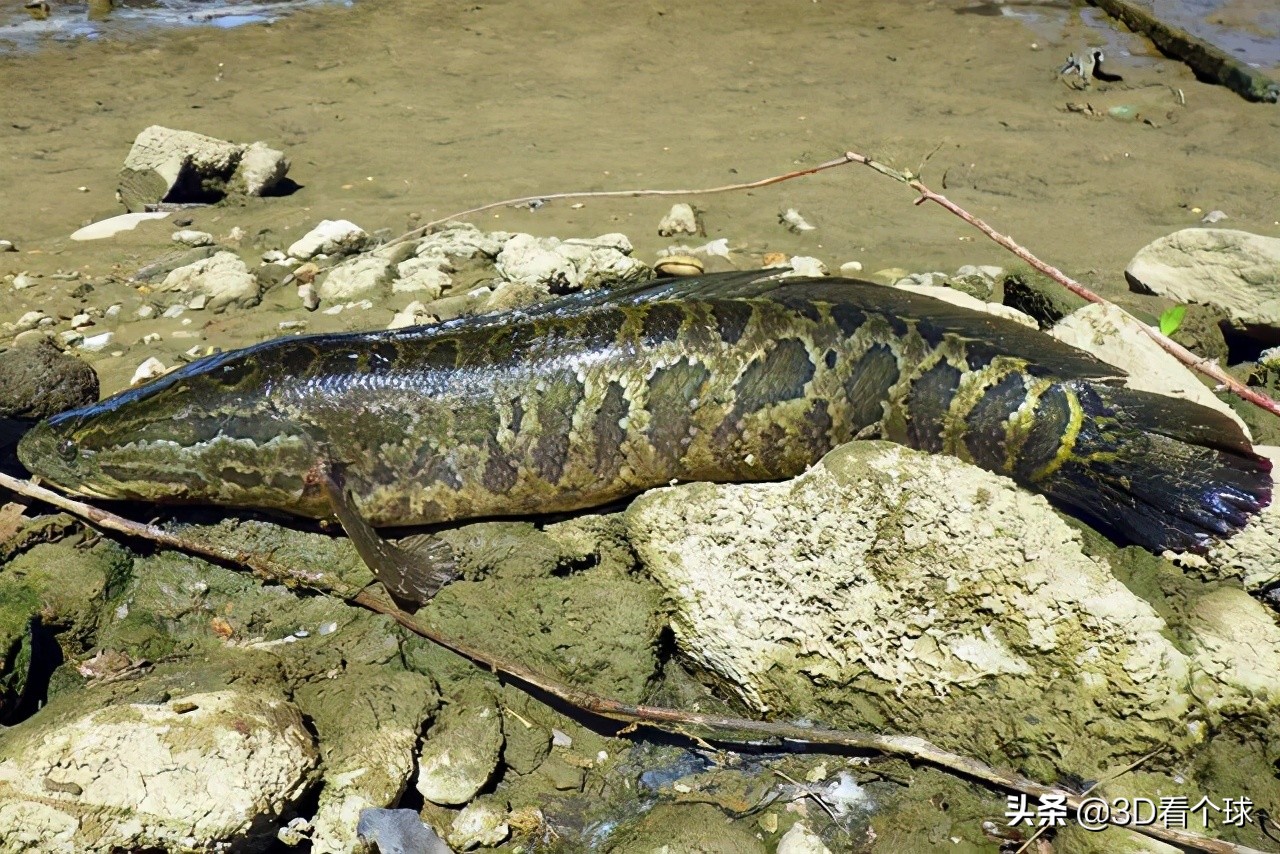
38, 380
167, 165
1235, 271
199, 772
1116, 338
570, 265
223, 280
897, 591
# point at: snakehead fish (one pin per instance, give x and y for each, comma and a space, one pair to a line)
600, 395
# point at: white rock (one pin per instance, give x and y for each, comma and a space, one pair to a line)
174, 311
938, 588
792, 219
681, 219
358, 277
481, 823
81, 320
191, 237
144, 311
198, 302
22, 281
273, 256
113, 310
414, 313
148, 370
70, 338
960, 298
97, 342
310, 298
1234, 270
290, 325
29, 320
150, 776
222, 278
1116, 338
7, 246
422, 275
804, 265
261, 168
330, 237
569, 265
115, 225
461, 240
801, 840
848, 268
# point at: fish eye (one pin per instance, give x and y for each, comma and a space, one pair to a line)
68, 450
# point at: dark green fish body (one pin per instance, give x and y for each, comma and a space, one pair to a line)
593, 397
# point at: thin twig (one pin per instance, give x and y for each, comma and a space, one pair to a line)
615, 194
718, 727
1207, 367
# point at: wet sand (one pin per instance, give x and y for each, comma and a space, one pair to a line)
396, 108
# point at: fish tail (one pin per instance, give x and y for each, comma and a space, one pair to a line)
1158, 471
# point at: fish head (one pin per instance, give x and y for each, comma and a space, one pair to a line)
206, 433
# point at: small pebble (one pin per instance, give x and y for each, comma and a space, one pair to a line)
309, 296
145, 311
273, 256
792, 219
851, 267
113, 310
151, 338
236, 234
148, 370
560, 739
682, 219
174, 311
95, 343
198, 302
7, 246
333, 309
23, 280
189, 237
328, 628
1213, 216
80, 321
70, 338
286, 325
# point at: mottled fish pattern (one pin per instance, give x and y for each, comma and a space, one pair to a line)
597, 396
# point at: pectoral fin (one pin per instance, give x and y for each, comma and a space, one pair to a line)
412, 577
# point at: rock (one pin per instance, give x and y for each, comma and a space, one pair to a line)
1113, 336
681, 219
399, 832
1040, 297
363, 276
422, 276
570, 265
850, 268
794, 222
22, 281
207, 770
95, 343
310, 299
166, 165
680, 828
461, 240
261, 170
157, 270
461, 750
330, 237
481, 822
368, 746
804, 265
935, 605
1235, 271
148, 370
223, 279
38, 380
7, 246
414, 314
115, 225
191, 237
801, 840
960, 298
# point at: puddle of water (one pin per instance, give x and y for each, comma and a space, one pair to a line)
98, 19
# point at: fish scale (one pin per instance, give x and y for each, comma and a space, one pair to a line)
596, 396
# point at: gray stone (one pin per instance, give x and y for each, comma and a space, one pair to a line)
167, 165
261, 170
569, 265
223, 279
1234, 270
399, 832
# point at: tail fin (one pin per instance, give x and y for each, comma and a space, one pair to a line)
1163, 472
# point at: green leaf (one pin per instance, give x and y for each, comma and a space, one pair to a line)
1172, 319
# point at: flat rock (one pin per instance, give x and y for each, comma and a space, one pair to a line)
330, 237
200, 772
38, 380
462, 749
399, 831
223, 279
1235, 271
1117, 338
116, 224
885, 585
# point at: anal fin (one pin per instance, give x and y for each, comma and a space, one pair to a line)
411, 576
